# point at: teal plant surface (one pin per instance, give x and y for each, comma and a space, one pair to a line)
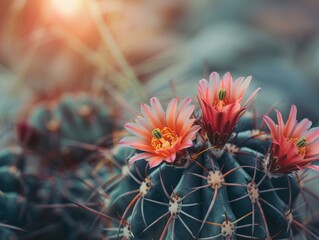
225, 183
53, 166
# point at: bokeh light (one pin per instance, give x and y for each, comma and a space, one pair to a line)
67, 8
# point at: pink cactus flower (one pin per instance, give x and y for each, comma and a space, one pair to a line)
294, 145
162, 135
221, 104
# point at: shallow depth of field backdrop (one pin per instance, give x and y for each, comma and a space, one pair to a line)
51, 47
126, 51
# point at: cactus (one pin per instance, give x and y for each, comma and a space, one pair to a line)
55, 129
41, 203
7, 231
223, 184
231, 192
207, 173
7, 234
53, 168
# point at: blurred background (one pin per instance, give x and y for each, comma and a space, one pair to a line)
125, 51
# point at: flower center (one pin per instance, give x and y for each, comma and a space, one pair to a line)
301, 143
221, 102
163, 139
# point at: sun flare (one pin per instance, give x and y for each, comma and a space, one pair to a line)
67, 8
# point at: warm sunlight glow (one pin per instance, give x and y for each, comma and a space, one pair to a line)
67, 8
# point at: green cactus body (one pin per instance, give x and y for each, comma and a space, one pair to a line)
42, 205
227, 196
7, 234
57, 131
52, 168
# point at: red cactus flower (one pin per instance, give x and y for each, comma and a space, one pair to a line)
294, 145
221, 104
159, 134
27, 135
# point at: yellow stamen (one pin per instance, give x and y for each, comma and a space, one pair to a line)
301, 143
163, 139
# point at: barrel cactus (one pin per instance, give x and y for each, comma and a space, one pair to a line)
41, 203
52, 168
55, 129
212, 173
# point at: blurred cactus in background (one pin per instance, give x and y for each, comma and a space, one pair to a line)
56, 129
38, 201
50, 167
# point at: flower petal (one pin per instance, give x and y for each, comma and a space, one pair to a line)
183, 117
158, 109
312, 134
139, 157
271, 125
192, 133
137, 143
220, 114
291, 156
291, 122
302, 128
155, 161
281, 123
185, 103
176, 118
171, 113
137, 130
149, 115
171, 158
313, 167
